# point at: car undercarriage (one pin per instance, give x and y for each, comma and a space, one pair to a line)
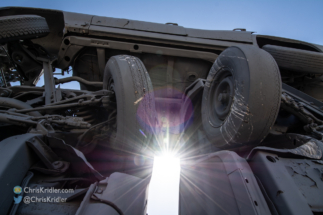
243, 112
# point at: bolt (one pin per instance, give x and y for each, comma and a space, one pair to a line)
223, 97
220, 97
58, 164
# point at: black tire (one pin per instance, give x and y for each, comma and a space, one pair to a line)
22, 27
241, 97
296, 60
136, 114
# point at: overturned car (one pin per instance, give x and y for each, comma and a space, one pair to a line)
242, 111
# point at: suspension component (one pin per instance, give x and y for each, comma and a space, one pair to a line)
297, 108
87, 114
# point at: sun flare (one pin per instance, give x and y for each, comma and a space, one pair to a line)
164, 185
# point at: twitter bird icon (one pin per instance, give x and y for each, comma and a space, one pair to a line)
17, 199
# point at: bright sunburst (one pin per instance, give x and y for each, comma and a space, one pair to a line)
164, 185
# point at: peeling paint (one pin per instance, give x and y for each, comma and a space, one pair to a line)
297, 170
320, 172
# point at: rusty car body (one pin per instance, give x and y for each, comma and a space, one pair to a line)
242, 111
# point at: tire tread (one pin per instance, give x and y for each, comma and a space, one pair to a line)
296, 59
26, 26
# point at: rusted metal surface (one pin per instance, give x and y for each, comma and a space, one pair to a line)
144, 87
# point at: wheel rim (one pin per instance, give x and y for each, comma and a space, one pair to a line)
223, 98
220, 97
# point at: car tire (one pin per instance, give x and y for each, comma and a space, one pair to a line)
296, 60
241, 97
136, 114
20, 27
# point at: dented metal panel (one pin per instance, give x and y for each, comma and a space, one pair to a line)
278, 184
295, 186
308, 176
219, 183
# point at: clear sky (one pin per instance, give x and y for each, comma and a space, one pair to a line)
286, 18
302, 20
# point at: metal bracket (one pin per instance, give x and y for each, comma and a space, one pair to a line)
50, 94
302, 97
49, 82
46, 154
311, 104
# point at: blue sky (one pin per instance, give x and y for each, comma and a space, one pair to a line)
293, 18
302, 20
